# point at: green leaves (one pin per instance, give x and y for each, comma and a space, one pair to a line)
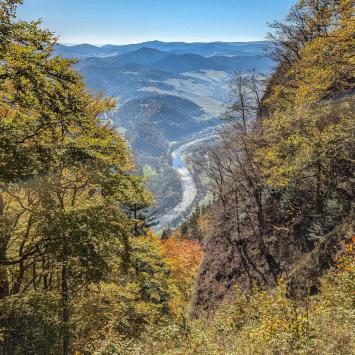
71, 213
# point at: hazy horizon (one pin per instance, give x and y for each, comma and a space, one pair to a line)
156, 40
126, 22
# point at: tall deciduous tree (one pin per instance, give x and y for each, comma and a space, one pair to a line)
66, 192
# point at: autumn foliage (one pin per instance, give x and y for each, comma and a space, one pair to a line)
80, 271
185, 257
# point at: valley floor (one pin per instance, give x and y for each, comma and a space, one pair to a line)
188, 184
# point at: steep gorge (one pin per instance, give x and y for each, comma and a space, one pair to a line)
282, 176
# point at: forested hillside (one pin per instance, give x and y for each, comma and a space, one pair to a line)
266, 267
282, 175
76, 259
283, 179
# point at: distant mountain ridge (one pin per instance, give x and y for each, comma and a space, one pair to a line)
178, 63
81, 51
173, 115
166, 92
198, 73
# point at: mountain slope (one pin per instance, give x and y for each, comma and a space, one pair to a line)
283, 181
164, 112
188, 62
204, 49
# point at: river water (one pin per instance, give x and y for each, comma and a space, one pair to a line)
188, 185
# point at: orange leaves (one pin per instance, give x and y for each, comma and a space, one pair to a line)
183, 253
345, 260
185, 257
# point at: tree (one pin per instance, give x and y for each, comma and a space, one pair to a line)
309, 130
66, 192
185, 257
236, 179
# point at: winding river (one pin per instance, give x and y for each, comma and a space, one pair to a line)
188, 185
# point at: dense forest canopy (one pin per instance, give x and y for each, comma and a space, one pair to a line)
71, 227
266, 267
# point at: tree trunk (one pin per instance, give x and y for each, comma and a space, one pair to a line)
270, 260
65, 309
318, 199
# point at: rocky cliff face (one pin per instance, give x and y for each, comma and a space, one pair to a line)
238, 260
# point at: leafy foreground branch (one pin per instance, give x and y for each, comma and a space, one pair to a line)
74, 246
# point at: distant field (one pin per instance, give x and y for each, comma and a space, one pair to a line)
148, 171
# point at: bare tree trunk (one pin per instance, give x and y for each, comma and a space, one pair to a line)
4, 284
65, 300
270, 260
126, 255
318, 197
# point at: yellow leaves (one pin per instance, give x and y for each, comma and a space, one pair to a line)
300, 138
345, 260
304, 128
184, 257
259, 322
100, 104
270, 322
7, 113
326, 62
274, 315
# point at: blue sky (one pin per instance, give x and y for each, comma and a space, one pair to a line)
132, 21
